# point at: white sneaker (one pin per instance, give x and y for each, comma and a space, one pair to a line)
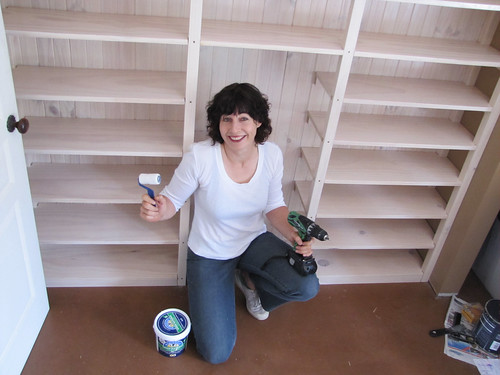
254, 306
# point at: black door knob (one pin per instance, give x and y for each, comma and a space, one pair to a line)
22, 125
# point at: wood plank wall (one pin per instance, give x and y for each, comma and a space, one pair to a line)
286, 77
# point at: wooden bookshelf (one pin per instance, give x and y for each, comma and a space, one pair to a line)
271, 37
99, 85
382, 93
357, 129
106, 224
91, 183
408, 92
109, 265
355, 166
112, 137
45, 23
368, 266
376, 201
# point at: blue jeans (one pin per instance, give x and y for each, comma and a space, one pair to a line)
212, 297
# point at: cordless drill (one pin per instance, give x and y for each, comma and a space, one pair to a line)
307, 229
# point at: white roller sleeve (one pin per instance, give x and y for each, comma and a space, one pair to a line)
150, 178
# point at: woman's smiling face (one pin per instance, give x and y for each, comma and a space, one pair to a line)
238, 130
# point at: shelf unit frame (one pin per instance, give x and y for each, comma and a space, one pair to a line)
347, 45
358, 91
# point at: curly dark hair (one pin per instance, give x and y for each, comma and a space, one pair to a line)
239, 98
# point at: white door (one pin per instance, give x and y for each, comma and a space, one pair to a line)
23, 295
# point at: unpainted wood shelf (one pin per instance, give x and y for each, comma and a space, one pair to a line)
92, 183
371, 130
376, 201
44, 23
379, 167
109, 265
368, 266
80, 136
272, 37
98, 224
108, 244
425, 49
379, 234
466, 4
167, 30
407, 92
99, 85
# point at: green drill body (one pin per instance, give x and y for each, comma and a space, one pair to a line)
306, 229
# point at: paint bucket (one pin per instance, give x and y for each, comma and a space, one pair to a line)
487, 331
172, 327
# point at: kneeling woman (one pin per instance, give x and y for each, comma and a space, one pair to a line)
235, 177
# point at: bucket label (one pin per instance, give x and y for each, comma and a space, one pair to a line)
172, 323
171, 348
495, 345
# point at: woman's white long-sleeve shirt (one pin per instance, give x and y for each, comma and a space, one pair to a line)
228, 215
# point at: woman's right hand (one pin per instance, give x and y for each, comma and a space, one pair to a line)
153, 210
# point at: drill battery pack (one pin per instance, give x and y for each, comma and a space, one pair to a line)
303, 265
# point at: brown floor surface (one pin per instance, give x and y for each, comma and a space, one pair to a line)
347, 329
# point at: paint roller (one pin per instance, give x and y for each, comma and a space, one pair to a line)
149, 179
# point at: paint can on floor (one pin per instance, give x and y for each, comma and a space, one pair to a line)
172, 327
487, 331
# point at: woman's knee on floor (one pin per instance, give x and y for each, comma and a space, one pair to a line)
308, 288
216, 352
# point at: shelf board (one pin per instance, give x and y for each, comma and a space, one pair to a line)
99, 85
91, 183
408, 92
425, 49
376, 201
109, 265
98, 224
375, 234
77, 136
371, 130
44, 23
368, 266
271, 37
378, 167
468, 4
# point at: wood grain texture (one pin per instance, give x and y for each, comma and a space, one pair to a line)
94, 224
99, 85
43, 23
112, 97
80, 136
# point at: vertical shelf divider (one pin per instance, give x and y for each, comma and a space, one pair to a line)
193, 57
351, 37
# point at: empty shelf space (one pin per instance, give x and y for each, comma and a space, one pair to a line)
109, 265
77, 136
411, 48
408, 92
91, 183
271, 37
376, 201
352, 166
93, 224
44, 23
99, 85
375, 234
368, 266
355, 129
468, 4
